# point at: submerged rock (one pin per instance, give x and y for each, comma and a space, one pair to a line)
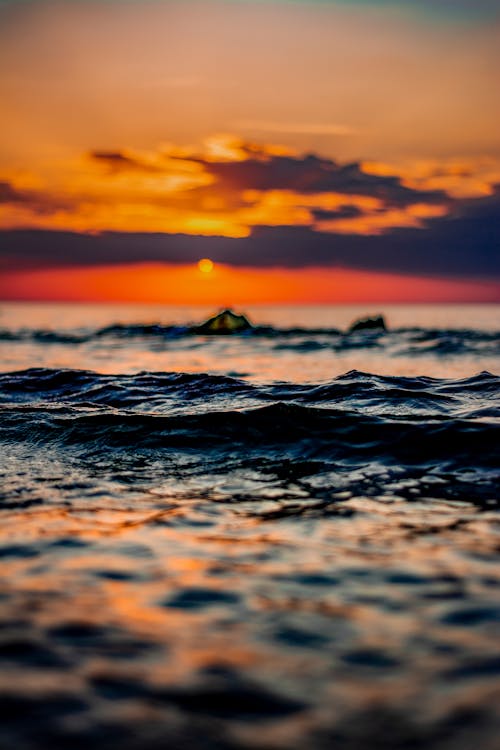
223, 323
368, 324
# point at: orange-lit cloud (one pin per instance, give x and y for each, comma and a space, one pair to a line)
459, 178
225, 187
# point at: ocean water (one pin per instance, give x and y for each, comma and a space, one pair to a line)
283, 539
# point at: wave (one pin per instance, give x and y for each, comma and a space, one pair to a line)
136, 389
404, 341
359, 430
415, 439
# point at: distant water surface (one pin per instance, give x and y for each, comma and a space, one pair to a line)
283, 539
299, 344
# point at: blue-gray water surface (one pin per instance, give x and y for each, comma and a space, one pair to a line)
285, 538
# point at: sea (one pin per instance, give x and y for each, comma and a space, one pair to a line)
280, 539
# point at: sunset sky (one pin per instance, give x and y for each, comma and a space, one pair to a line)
316, 151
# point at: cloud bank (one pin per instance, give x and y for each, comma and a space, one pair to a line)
465, 244
250, 204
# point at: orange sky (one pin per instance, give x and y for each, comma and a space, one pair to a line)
227, 286
348, 79
179, 116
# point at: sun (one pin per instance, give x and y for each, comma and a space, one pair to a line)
205, 265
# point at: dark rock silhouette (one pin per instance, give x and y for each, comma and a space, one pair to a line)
377, 323
224, 323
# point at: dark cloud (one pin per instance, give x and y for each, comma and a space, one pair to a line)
38, 202
312, 174
466, 243
117, 161
343, 212
9, 194
263, 171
